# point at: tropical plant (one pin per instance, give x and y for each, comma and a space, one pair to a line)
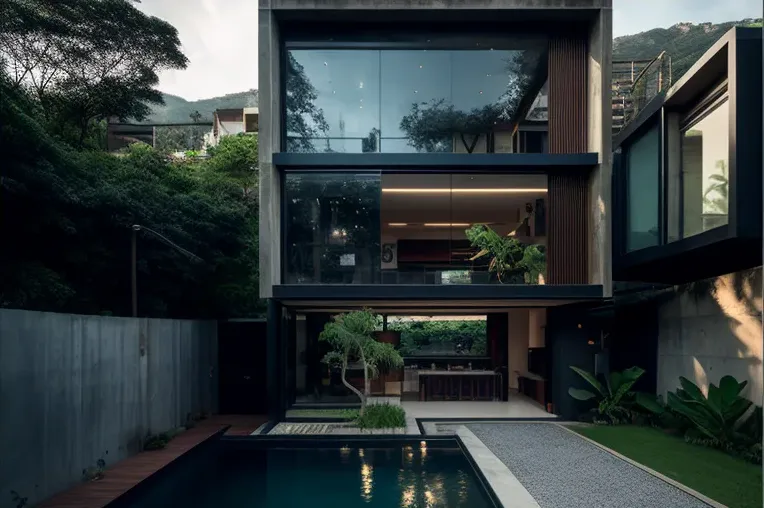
509, 256
613, 397
716, 196
720, 416
351, 336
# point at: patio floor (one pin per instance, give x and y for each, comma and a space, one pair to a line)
125, 474
518, 406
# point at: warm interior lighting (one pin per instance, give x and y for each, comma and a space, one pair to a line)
461, 191
446, 225
397, 224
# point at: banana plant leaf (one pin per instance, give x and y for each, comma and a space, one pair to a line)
580, 394
589, 378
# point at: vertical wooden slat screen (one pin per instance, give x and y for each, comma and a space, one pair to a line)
567, 258
567, 95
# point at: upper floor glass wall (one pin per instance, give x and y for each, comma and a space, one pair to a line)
643, 190
410, 100
705, 149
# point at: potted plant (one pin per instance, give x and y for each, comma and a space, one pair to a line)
512, 261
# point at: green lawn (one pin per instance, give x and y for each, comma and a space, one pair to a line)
726, 479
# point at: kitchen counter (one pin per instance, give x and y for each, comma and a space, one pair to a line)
430, 372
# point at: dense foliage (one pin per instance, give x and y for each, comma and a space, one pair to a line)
684, 42
68, 208
441, 337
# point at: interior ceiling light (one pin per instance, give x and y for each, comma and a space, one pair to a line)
397, 224
447, 225
460, 191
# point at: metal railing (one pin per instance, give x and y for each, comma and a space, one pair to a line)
635, 83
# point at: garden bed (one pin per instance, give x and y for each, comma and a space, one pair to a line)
724, 478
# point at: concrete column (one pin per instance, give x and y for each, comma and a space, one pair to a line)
269, 142
599, 139
517, 344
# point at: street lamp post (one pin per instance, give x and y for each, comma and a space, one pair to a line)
134, 259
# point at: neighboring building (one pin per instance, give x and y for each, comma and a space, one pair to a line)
228, 122
390, 129
688, 219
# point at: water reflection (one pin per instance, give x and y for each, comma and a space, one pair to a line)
367, 482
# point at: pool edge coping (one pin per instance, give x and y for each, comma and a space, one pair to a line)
684, 488
505, 487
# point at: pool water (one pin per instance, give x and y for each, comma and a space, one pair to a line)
402, 476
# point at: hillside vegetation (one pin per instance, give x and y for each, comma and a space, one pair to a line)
684, 42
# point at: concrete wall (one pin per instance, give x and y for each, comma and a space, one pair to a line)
599, 137
76, 389
713, 331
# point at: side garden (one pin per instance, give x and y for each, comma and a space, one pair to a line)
708, 442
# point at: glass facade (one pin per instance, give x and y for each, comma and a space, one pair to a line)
643, 191
408, 100
393, 228
704, 171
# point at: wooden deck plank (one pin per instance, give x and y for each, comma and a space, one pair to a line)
127, 473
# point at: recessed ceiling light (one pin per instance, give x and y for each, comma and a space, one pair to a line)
397, 224
447, 224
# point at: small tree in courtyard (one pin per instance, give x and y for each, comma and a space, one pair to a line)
351, 336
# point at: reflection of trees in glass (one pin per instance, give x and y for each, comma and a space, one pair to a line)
716, 194
371, 142
304, 120
329, 218
430, 126
441, 337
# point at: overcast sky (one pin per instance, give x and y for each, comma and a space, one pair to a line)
219, 37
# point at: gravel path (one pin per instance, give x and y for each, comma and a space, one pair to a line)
562, 471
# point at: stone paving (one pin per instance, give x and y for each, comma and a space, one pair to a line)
562, 470
287, 428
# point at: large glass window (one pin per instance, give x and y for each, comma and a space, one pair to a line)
440, 335
643, 187
332, 230
413, 100
705, 175
405, 228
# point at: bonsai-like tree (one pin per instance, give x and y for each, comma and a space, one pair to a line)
351, 336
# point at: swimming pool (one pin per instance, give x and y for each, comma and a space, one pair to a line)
242, 473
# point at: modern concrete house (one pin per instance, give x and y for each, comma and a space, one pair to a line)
390, 134
688, 220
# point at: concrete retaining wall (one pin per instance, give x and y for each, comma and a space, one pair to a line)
75, 389
712, 331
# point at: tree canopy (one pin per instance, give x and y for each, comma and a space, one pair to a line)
87, 60
68, 207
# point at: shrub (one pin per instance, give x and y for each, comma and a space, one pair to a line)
612, 397
159, 441
382, 416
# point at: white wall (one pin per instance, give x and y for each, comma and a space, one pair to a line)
714, 334
536, 327
518, 344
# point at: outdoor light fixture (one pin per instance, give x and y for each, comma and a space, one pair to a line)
460, 191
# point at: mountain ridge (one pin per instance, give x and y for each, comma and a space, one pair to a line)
685, 42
